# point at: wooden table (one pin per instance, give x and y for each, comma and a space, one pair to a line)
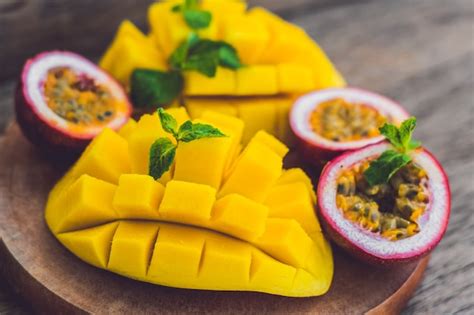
421, 53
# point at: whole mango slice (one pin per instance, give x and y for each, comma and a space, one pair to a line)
222, 218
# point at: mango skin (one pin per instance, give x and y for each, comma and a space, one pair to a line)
138, 230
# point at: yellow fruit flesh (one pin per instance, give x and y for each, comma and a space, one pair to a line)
279, 58
193, 233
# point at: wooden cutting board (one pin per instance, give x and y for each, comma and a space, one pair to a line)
53, 280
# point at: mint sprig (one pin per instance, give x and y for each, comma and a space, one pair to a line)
204, 56
383, 168
194, 17
150, 88
163, 150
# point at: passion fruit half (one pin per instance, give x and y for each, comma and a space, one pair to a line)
64, 100
391, 223
332, 121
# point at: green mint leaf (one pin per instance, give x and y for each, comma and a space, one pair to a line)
191, 4
177, 8
162, 153
150, 88
391, 133
228, 56
383, 168
168, 123
413, 144
197, 19
179, 56
406, 131
192, 131
205, 64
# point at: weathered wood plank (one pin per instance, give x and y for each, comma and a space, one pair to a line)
420, 53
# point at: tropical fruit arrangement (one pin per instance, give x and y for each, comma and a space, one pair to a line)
180, 137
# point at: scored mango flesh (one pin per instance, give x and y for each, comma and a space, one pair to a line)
223, 218
279, 57
280, 62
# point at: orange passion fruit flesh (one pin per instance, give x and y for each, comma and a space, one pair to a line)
341, 121
391, 210
84, 105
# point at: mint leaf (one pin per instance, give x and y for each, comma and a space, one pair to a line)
205, 64
382, 169
191, 4
192, 131
168, 123
228, 56
162, 153
391, 134
177, 8
197, 19
406, 131
413, 144
151, 88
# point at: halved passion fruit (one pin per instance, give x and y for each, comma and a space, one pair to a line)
63, 101
397, 221
329, 122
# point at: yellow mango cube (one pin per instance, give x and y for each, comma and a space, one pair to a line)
254, 173
286, 240
128, 128
239, 217
138, 197
248, 35
285, 40
295, 175
231, 126
223, 83
258, 114
222, 9
147, 132
267, 271
257, 80
294, 78
105, 158
170, 29
87, 202
186, 202
130, 50
202, 161
271, 142
132, 247
91, 245
177, 253
293, 201
197, 106
325, 73
225, 261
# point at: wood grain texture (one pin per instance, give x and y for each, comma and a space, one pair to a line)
53, 280
420, 53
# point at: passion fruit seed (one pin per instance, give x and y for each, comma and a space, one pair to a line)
77, 98
342, 121
391, 209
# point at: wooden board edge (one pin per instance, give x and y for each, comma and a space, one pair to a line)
397, 301
35, 295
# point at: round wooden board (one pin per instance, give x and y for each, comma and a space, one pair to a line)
54, 280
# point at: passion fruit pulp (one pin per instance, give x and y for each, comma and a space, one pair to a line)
391, 223
330, 122
63, 101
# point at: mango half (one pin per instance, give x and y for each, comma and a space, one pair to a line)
223, 217
281, 61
